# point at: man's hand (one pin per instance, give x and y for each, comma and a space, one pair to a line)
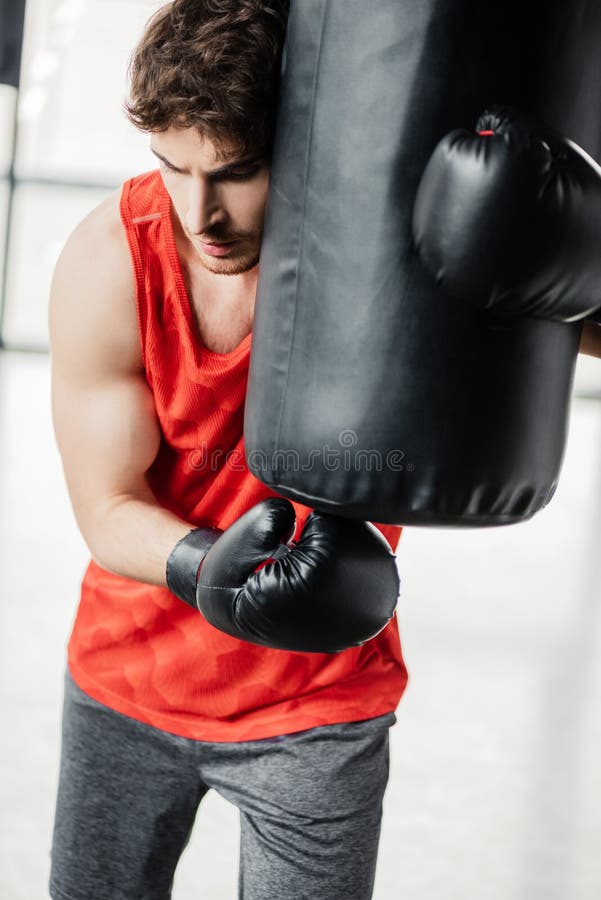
590, 340
337, 587
508, 218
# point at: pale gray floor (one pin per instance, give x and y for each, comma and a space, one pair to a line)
495, 782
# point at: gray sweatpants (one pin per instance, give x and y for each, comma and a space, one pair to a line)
310, 806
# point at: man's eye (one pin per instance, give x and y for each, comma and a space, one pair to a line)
244, 175
169, 169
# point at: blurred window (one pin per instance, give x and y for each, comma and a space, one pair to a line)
73, 143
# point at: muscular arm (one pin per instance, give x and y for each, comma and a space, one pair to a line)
103, 411
590, 341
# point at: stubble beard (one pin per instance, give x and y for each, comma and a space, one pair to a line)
243, 260
220, 266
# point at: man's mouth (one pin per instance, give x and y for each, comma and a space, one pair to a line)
217, 248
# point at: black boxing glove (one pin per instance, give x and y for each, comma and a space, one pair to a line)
335, 588
509, 219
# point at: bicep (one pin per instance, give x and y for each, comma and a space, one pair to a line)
107, 436
103, 411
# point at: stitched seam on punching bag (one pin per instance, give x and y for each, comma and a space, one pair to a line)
302, 220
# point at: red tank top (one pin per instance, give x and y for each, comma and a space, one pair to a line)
136, 647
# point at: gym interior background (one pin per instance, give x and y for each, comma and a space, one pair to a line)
495, 783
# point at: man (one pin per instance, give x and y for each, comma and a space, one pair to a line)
151, 314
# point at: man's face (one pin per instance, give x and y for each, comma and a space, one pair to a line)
219, 199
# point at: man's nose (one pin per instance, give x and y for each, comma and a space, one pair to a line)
204, 208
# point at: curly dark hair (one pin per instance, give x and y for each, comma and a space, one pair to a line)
213, 65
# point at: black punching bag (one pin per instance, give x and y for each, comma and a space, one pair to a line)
371, 394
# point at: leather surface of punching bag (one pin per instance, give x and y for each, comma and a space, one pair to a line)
371, 394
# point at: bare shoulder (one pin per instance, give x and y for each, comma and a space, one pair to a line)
92, 298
